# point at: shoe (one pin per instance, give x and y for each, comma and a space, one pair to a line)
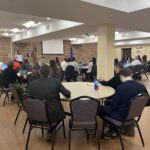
110, 134
129, 131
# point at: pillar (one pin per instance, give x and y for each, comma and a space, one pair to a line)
105, 52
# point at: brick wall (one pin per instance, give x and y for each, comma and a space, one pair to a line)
5, 48
83, 53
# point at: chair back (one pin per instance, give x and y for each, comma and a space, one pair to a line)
138, 68
70, 73
32, 77
35, 109
137, 106
15, 94
84, 110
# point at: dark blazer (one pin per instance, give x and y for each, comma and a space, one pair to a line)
9, 77
114, 82
119, 106
48, 89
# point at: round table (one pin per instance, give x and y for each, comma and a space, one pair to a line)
87, 89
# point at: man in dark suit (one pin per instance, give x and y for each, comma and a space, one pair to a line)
9, 75
115, 81
118, 108
48, 89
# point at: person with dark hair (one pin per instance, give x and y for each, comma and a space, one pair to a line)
139, 58
129, 61
26, 65
9, 75
115, 81
144, 59
55, 72
49, 89
64, 65
118, 108
123, 60
92, 70
57, 61
42, 61
18, 57
136, 61
116, 61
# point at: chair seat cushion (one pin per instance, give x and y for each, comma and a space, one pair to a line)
82, 125
113, 121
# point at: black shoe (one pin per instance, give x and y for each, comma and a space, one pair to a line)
110, 134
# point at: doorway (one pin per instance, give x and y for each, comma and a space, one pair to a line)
126, 52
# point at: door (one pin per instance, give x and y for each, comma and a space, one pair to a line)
126, 52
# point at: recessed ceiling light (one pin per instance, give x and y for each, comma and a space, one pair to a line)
72, 39
92, 36
48, 18
5, 34
39, 23
117, 33
31, 24
15, 30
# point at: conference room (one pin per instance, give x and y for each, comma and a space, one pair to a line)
74, 75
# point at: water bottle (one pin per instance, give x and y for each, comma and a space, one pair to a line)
96, 85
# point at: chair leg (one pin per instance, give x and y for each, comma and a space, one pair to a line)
53, 140
98, 138
64, 131
42, 130
27, 143
95, 132
5, 100
146, 76
17, 116
120, 138
103, 127
87, 133
142, 140
69, 139
25, 125
1, 93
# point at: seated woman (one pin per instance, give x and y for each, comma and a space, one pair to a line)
55, 71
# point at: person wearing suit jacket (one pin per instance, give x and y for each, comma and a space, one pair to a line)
48, 89
118, 108
115, 81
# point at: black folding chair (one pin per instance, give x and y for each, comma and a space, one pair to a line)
84, 111
134, 114
37, 112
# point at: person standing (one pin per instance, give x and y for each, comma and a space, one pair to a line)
55, 71
18, 57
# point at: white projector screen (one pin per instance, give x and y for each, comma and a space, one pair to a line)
52, 47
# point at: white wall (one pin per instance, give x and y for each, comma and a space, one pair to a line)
52, 47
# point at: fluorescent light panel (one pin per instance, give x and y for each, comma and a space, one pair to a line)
31, 24
15, 30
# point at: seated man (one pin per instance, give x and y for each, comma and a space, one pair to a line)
48, 89
118, 108
115, 81
9, 75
